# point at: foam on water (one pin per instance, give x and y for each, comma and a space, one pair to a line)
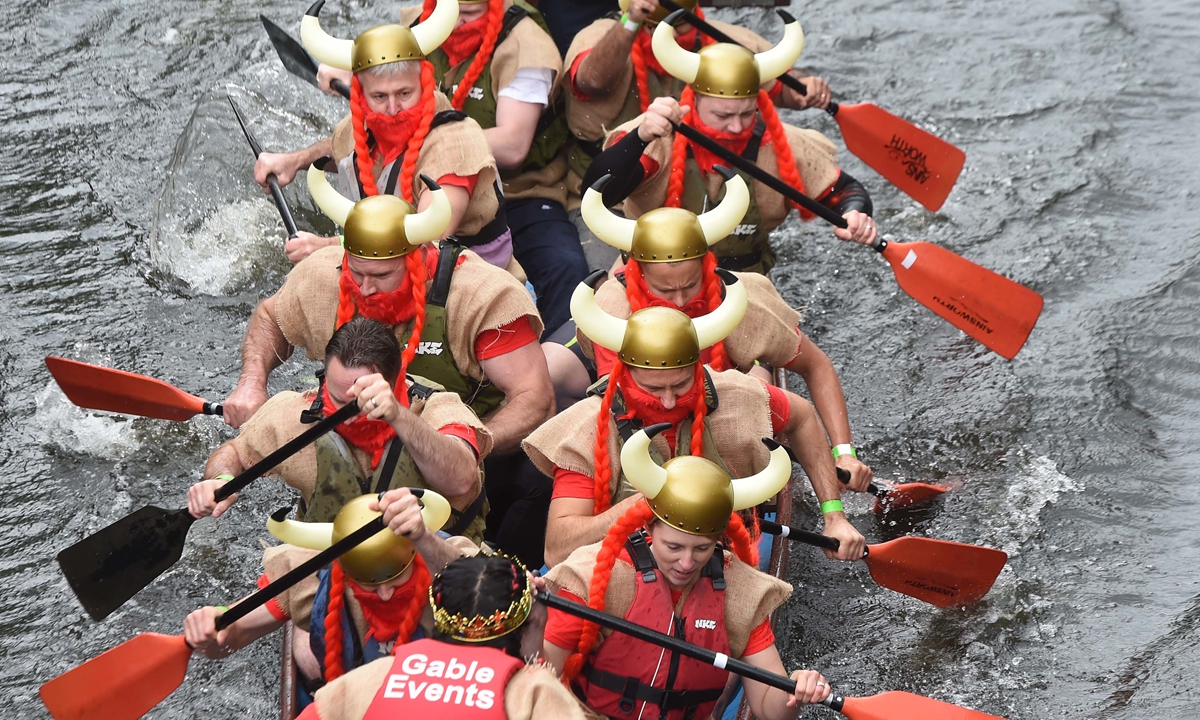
227, 251
59, 423
1038, 484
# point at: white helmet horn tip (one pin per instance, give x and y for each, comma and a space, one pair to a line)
779, 59
435, 509
431, 223
329, 200
600, 327
756, 489
639, 468
683, 64
609, 227
437, 27
718, 324
321, 45
723, 219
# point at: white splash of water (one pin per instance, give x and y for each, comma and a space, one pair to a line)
1029, 492
72, 429
227, 250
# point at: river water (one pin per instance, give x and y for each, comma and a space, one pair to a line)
131, 235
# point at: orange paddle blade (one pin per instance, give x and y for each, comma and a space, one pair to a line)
921, 164
121, 684
907, 495
101, 388
939, 572
996, 311
898, 705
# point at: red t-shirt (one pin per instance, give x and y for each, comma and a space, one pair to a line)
571, 484
503, 340
563, 630
466, 182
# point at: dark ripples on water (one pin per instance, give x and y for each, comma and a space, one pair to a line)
1078, 458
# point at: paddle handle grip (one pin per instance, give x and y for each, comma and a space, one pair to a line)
844, 476
753, 170
260, 598
703, 26
285, 212
804, 536
213, 408
293, 446
674, 644
340, 88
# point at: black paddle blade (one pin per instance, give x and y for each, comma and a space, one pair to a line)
295, 58
109, 567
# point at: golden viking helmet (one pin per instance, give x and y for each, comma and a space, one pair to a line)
381, 557
658, 338
660, 13
380, 45
667, 234
723, 69
694, 494
384, 226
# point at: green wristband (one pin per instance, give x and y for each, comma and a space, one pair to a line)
628, 24
224, 476
223, 609
844, 449
831, 506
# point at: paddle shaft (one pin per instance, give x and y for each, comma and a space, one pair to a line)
718, 660
702, 25
272, 182
262, 467
263, 596
295, 58
753, 170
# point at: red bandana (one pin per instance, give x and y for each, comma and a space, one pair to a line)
466, 40
736, 142
370, 436
386, 616
392, 132
391, 308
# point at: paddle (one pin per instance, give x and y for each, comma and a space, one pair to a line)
101, 388
296, 59
992, 309
939, 572
272, 182
894, 497
922, 165
889, 706
110, 566
128, 680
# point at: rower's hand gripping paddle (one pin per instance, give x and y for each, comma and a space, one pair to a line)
885, 706
109, 567
992, 309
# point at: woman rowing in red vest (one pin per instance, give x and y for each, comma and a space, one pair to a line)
662, 565
471, 668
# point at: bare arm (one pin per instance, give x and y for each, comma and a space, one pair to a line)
599, 71
524, 379
806, 436
285, 165
200, 629
571, 525
516, 124
402, 513
264, 349
459, 199
555, 656
769, 703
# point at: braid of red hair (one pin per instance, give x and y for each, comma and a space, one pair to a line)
416, 605
740, 541
679, 148
698, 413
638, 55
601, 464
712, 294
333, 623
634, 519
362, 154
428, 109
418, 273
783, 149
483, 56
635, 286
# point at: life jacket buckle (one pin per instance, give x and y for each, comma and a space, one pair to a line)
629, 696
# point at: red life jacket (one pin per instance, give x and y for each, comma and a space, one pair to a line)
431, 679
629, 678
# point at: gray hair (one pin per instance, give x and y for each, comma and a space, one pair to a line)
393, 68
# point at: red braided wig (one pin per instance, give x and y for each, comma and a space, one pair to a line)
712, 294
483, 56
601, 464
638, 55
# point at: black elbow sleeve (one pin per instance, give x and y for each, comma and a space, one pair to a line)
848, 194
623, 161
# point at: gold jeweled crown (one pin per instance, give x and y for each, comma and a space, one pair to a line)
481, 628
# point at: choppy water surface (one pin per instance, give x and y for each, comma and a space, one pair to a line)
131, 235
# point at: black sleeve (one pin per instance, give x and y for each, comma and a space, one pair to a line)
848, 194
624, 162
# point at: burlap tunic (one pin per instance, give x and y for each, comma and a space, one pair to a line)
816, 161
482, 297
592, 119
278, 421
768, 333
742, 417
526, 46
453, 148
534, 693
750, 595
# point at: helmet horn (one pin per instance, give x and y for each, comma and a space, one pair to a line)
431, 223
335, 205
637, 465
320, 44
751, 491
718, 324
722, 220
680, 63
437, 27
600, 327
608, 226
779, 59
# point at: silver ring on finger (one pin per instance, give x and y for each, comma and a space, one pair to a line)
821, 684
374, 403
